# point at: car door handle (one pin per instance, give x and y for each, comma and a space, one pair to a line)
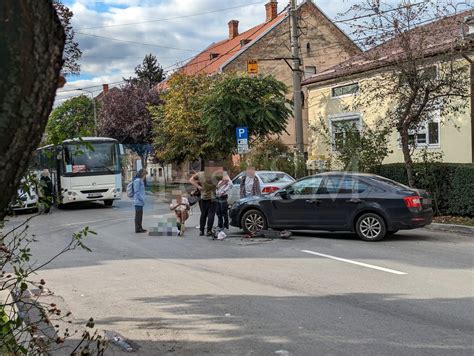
313, 201
354, 200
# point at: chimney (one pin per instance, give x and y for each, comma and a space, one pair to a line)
271, 9
233, 29
105, 88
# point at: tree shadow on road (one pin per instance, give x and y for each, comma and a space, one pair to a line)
352, 324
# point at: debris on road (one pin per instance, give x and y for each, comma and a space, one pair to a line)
118, 340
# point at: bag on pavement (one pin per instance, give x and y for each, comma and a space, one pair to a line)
130, 192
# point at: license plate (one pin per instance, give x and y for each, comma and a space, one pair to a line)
94, 195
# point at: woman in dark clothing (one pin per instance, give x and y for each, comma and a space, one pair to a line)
46, 187
222, 194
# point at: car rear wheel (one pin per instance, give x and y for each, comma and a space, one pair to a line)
253, 221
371, 227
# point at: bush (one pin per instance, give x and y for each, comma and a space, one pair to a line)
451, 185
461, 199
270, 154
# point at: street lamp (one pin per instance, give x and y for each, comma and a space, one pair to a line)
95, 110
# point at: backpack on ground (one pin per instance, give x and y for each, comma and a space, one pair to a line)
130, 192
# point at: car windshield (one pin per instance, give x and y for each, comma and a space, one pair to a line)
91, 158
275, 177
390, 182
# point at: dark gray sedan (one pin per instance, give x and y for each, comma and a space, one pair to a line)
370, 205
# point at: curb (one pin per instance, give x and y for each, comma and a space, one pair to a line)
462, 229
22, 338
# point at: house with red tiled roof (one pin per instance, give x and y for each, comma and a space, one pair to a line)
323, 45
336, 95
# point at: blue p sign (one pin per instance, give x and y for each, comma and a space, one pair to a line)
242, 133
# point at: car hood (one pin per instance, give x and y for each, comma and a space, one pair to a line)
253, 199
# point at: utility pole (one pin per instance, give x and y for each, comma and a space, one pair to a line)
295, 47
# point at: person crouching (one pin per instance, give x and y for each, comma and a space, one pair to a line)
180, 206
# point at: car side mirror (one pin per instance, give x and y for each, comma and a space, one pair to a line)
284, 194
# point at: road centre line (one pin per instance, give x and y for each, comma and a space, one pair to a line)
354, 262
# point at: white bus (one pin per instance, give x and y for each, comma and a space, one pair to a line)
86, 169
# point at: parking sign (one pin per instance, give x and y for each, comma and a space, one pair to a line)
242, 137
242, 133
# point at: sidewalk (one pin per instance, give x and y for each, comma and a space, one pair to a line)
462, 229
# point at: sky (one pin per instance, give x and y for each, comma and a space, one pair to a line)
172, 30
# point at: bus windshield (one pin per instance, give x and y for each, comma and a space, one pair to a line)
91, 158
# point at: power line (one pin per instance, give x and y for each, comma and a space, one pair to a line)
92, 86
135, 42
120, 57
231, 51
377, 14
172, 18
415, 26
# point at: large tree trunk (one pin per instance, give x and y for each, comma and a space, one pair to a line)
31, 47
407, 157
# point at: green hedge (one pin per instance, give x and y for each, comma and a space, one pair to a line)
451, 184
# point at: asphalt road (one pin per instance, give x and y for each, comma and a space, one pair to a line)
317, 294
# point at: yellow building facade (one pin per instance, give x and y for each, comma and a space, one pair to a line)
338, 100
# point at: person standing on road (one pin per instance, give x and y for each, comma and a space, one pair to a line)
250, 185
139, 199
222, 194
206, 182
46, 189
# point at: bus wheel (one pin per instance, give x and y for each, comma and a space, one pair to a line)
108, 202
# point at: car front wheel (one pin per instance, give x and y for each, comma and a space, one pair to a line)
253, 221
371, 227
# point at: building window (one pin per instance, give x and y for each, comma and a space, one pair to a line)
345, 90
309, 71
340, 127
427, 135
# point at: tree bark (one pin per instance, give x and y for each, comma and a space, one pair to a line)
31, 47
407, 157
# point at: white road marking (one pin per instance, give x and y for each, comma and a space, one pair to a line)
354, 262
